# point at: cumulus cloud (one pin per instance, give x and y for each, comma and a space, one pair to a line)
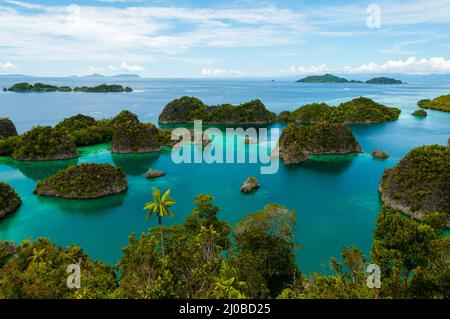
411, 65
7, 66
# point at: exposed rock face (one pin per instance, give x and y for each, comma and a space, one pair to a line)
83, 182
136, 138
187, 109
44, 143
7, 128
420, 183
293, 154
250, 185
422, 113
380, 154
151, 173
9, 200
320, 139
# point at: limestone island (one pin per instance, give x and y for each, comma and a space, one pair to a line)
187, 109
380, 154
85, 130
44, 143
441, 103
318, 139
132, 136
7, 128
250, 185
420, 183
360, 110
9, 200
41, 87
84, 181
330, 78
421, 113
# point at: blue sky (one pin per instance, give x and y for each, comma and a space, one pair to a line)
181, 38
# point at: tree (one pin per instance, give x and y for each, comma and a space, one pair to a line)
413, 257
160, 206
265, 250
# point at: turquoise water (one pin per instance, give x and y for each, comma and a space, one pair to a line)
335, 196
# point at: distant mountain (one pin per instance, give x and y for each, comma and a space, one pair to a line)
383, 80
127, 76
330, 78
326, 78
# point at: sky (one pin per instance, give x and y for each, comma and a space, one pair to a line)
205, 38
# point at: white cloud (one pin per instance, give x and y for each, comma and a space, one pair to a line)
7, 66
411, 65
124, 66
88, 33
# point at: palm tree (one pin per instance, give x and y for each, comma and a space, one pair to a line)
160, 207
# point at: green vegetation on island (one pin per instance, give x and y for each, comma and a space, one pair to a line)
419, 112
187, 109
84, 181
383, 80
441, 103
329, 78
7, 128
420, 183
318, 139
41, 87
103, 88
357, 111
9, 201
132, 136
363, 110
250, 185
38, 270
85, 130
44, 143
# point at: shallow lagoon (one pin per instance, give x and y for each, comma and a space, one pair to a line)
335, 196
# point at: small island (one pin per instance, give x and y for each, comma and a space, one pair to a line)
132, 136
318, 139
330, 78
152, 174
187, 109
250, 185
25, 87
419, 184
421, 113
44, 143
361, 110
380, 154
441, 103
9, 200
85, 130
85, 181
7, 128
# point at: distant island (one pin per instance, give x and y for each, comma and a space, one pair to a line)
441, 103
41, 87
187, 109
330, 78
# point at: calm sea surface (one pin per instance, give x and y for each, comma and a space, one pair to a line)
335, 197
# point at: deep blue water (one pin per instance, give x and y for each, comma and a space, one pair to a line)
335, 197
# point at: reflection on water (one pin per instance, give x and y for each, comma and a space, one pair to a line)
39, 170
84, 206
